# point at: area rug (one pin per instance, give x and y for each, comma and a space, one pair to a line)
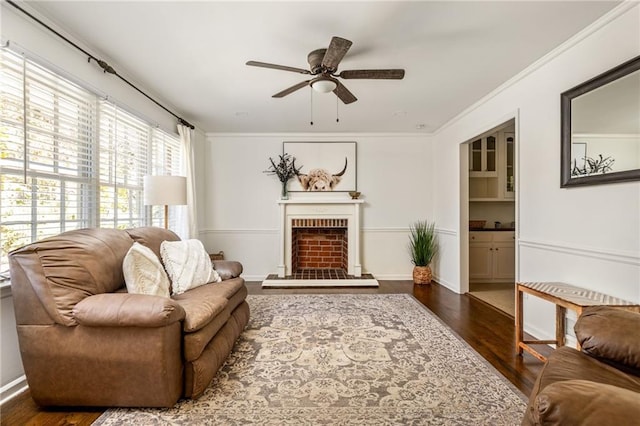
344, 360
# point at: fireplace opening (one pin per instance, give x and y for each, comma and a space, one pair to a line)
319, 244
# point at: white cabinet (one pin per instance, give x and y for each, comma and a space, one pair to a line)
480, 256
492, 256
508, 165
483, 156
492, 167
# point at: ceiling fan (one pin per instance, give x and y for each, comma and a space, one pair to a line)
324, 65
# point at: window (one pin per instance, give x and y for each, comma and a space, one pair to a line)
124, 149
69, 159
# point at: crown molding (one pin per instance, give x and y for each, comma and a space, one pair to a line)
594, 27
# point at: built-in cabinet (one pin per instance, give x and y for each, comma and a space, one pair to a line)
492, 167
483, 156
508, 183
492, 256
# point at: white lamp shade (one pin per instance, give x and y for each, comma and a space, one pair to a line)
165, 190
323, 86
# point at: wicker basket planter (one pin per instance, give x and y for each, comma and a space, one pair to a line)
423, 246
422, 275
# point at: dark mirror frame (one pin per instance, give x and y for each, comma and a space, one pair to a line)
565, 137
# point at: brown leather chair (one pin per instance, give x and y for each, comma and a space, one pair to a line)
599, 385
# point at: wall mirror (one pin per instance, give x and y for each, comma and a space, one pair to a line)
600, 121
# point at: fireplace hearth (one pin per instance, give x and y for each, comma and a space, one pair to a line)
319, 234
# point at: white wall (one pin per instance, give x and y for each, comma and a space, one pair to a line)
241, 215
588, 236
26, 36
11, 372
22, 34
503, 212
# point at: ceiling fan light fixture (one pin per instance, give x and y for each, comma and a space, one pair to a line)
324, 85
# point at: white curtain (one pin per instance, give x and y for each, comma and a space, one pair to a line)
187, 219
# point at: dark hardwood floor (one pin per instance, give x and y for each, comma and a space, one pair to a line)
488, 330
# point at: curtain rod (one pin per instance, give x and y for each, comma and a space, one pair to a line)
105, 66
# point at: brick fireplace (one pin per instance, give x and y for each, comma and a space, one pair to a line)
321, 230
319, 244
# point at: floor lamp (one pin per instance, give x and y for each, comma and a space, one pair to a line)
165, 191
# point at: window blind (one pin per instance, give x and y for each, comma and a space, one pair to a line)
69, 159
124, 150
45, 161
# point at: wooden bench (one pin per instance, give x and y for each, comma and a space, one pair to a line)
564, 296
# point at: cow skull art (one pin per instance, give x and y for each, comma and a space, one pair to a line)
319, 179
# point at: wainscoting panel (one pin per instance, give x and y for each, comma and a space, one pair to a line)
12, 374
256, 249
384, 251
447, 262
611, 272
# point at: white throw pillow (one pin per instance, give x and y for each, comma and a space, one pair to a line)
188, 264
143, 272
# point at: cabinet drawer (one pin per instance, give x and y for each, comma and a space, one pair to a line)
504, 236
480, 237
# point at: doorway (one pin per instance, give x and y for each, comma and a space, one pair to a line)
491, 207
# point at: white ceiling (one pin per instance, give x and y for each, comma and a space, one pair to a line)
191, 55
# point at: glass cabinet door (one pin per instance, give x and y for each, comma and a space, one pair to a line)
483, 156
475, 156
509, 182
490, 153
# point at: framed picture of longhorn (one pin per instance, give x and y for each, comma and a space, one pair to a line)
322, 166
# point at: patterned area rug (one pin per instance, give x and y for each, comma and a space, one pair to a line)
344, 360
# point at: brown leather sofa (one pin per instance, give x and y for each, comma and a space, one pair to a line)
599, 385
85, 341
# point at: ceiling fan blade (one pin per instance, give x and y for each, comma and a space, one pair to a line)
335, 52
278, 67
291, 89
344, 94
377, 74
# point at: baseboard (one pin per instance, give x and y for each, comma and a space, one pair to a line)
538, 334
254, 277
13, 389
391, 277
446, 284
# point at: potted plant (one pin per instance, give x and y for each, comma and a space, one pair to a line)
423, 246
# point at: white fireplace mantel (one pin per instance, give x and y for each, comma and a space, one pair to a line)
320, 208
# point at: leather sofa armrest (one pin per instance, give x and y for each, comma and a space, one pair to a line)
607, 334
227, 269
127, 310
582, 402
